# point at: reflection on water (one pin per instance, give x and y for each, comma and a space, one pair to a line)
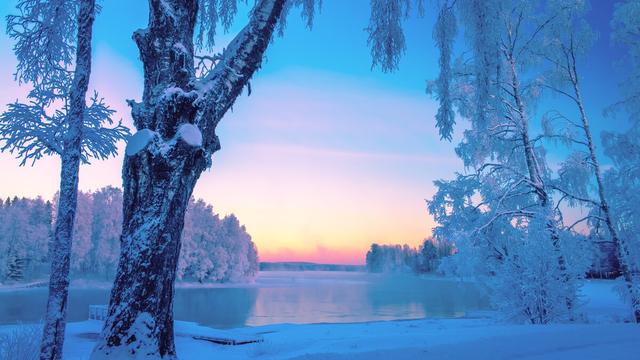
283, 297
217, 307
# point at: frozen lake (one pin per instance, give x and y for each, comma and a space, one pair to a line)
282, 297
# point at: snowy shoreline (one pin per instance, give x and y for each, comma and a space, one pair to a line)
407, 339
603, 335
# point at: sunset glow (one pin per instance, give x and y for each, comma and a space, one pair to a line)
323, 158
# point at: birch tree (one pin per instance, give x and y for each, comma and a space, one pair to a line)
53, 48
623, 193
622, 180
565, 44
175, 139
515, 219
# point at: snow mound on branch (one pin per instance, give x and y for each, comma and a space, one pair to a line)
139, 141
171, 91
190, 134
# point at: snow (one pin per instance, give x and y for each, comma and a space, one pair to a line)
416, 339
602, 337
180, 46
172, 90
190, 134
139, 141
144, 347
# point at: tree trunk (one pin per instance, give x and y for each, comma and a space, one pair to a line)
535, 177
160, 177
53, 334
621, 249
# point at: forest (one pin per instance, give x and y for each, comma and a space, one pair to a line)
214, 249
403, 258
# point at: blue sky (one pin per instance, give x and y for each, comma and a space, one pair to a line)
326, 155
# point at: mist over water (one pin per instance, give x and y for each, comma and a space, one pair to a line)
283, 297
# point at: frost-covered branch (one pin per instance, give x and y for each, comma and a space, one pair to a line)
27, 131
243, 56
100, 133
583, 219
45, 34
386, 36
444, 33
205, 64
44, 31
30, 132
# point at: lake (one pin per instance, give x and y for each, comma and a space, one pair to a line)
283, 297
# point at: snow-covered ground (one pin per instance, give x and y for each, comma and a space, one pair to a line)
603, 336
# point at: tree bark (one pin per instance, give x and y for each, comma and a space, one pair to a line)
54, 327
621, 248
159, 180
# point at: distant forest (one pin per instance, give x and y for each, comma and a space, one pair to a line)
404, 258
213, 248
307, 266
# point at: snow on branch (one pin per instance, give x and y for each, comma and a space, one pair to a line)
44, 31
307, 11
205, 64
210, 13
626, 32
190, 134
99, 138
27, 131
444, 33
239, 60
33, 130
386, 37
139, 141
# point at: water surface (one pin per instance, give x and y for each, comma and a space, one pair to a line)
283, 297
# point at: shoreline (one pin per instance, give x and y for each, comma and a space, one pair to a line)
264, 278
403, 339
604, 334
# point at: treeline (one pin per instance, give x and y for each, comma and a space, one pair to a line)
307, 266
403, 258
25, 234
213, 249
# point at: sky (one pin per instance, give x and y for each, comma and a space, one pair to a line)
326, 155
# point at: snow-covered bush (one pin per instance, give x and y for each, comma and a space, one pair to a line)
518, 267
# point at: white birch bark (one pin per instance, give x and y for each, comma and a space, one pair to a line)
53, 334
